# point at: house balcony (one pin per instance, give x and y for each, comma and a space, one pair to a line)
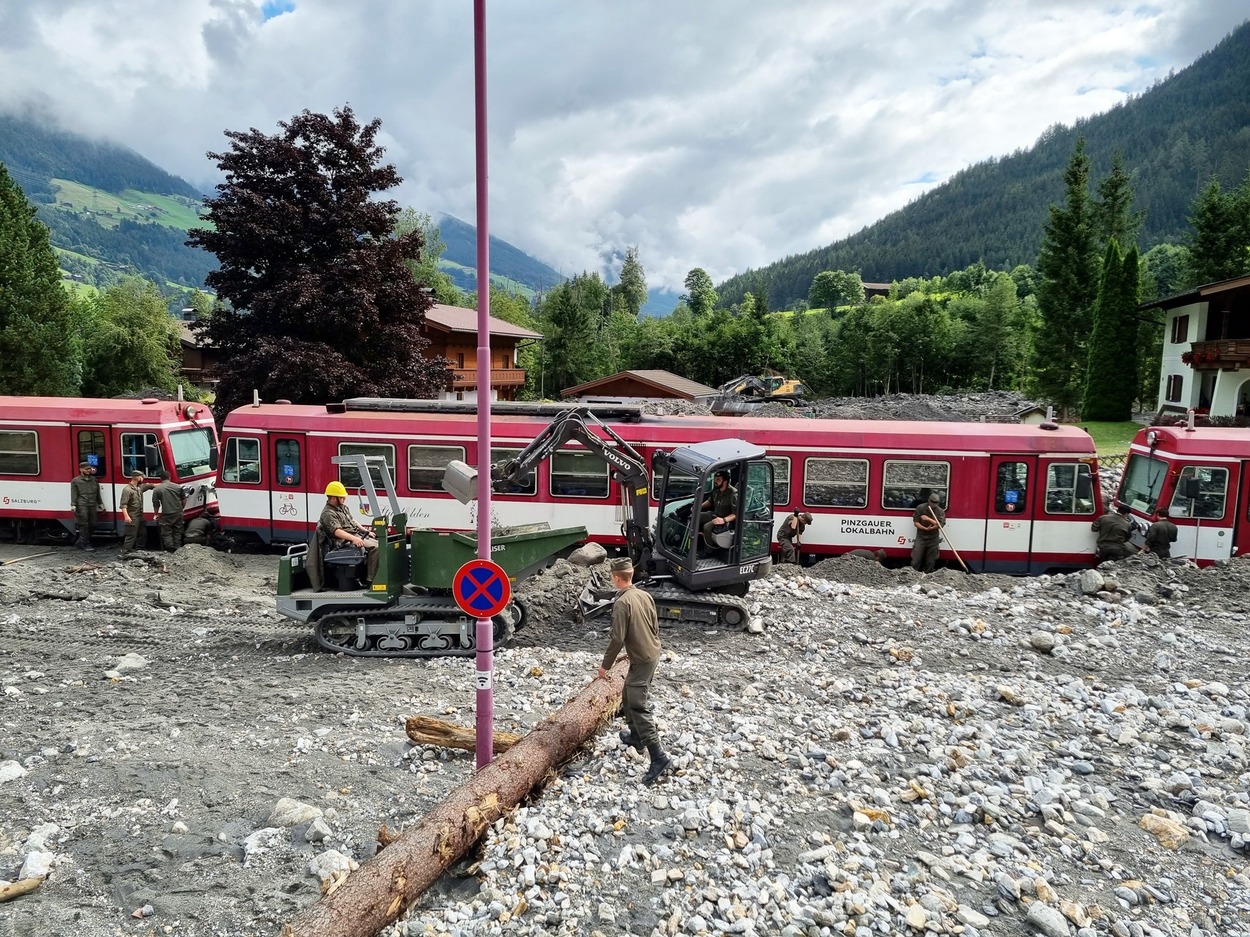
466, 378
1227, 354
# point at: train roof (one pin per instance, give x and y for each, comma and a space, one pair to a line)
98, 410
1232, 442
675, 430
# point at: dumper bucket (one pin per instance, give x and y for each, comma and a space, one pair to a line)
521, 551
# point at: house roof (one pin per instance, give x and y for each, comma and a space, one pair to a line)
459, 319
661, 380
1197, 294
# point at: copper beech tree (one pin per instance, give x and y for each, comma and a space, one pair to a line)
318, 302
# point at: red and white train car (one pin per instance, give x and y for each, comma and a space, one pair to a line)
1018, 498
1201, 476
43, 440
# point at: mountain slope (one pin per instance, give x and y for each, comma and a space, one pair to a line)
1174, 137
509, 265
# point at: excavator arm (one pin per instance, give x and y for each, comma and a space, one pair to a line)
627, 466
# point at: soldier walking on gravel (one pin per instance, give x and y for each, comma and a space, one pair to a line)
169, 501
636, 629
131, 506
86, 502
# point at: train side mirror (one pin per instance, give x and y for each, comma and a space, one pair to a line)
213, 459
151, 459
460, 480
1190, 488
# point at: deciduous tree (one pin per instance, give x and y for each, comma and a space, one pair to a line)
321, 302
700, 295
833, 288
39, 346
132, 343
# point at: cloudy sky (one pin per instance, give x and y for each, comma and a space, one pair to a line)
716, 133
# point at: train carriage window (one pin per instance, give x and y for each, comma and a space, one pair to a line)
242, 461
781, 479
1069, 488
133, 445
426, 465
578, 475
286, 463
905, 484
1011, 488
190, 449
91, 449
528, 487
349, 475
19, 452
835, 482
1211, 494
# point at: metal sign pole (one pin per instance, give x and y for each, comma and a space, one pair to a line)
485, 633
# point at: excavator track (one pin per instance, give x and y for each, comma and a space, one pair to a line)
673, 603
442, 631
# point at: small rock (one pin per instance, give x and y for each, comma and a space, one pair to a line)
1169, 833
11, 771
290, 812
1047, 920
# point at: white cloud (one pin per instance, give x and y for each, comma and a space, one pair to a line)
721, 135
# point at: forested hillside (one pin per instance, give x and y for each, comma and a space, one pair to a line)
509, 266
1174, 138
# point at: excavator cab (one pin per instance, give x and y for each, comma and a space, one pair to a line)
724, 557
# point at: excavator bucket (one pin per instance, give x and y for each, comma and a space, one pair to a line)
597, 598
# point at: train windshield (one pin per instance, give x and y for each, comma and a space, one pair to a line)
191, 448
1142, 483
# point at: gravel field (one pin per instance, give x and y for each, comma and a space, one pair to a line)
894, 754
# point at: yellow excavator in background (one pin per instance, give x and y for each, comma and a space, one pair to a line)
749, 392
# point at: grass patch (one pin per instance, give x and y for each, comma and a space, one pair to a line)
1111, 438
109, 208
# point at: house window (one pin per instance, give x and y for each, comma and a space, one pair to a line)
19, 452
426, 465
1173, 392
1180, 330
460, 360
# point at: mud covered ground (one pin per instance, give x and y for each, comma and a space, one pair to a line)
894, 753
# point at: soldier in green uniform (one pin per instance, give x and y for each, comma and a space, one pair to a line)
719, 507
1161, 535
929, 519
636, 629
1113, 531
168, 500
131, 506
86, 502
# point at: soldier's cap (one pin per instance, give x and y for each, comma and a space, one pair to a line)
136, 474
935, 497
805, 518
84, 464
622, 564
1123, 508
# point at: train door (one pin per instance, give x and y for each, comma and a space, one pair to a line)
288, 499
1009, 514
1241, 523
92, 444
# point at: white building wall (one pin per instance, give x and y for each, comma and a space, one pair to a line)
1172, 351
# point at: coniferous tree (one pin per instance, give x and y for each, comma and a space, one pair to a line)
1113, 209
1220, 244
1111, 382
1067, 289
633, 285
40, 349
321, 302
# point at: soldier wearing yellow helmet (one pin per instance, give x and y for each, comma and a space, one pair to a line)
339, 528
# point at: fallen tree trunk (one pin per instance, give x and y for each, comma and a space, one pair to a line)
21, 887
426, 730
378, 892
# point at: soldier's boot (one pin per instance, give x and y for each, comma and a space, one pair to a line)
629, 739
660, 763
